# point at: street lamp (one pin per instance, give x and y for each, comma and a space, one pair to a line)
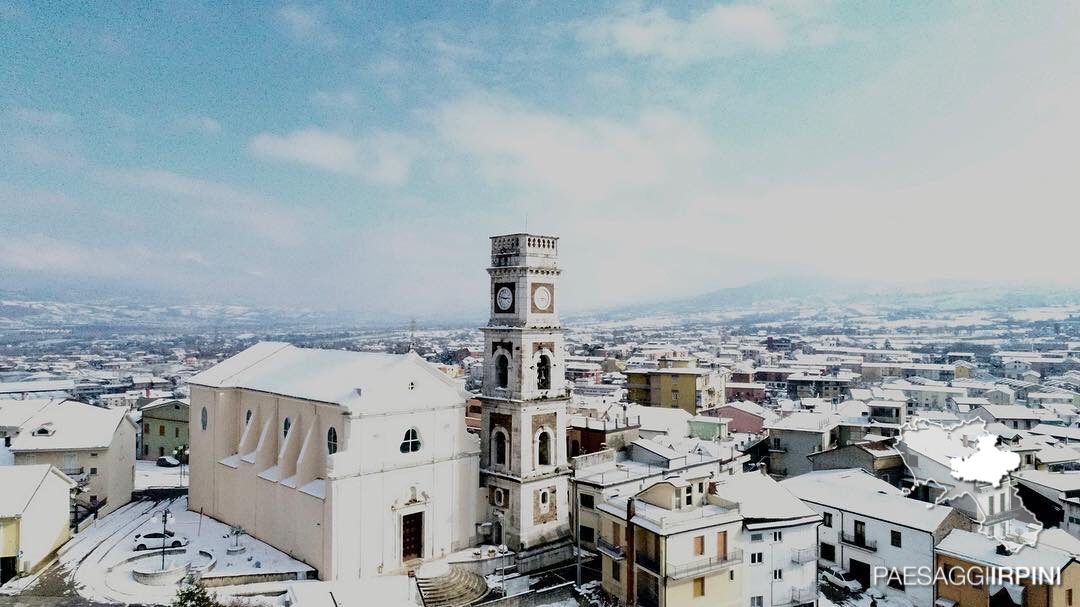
164, 520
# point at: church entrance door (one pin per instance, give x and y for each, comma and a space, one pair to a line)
412, 536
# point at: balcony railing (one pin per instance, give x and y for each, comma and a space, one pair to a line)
800, 556
647, 561
610, 549
704, 564
858, 541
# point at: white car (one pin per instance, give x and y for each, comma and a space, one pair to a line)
156, 539
840, 578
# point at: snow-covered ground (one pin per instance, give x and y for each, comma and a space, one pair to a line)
95, 560
149, 474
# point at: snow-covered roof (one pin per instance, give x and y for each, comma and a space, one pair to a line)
20, 483
1015, 412
68, 425
761, 498
752, 408
978, 548
363, 382
854, 490
14, 413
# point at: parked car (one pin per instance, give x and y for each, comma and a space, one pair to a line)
157, 539
167, 462
840, 578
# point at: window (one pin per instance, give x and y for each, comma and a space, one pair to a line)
146, 428
586, 534
675, 395
616, 572
176, 432
828, 552
757, 601
161, 430
756, 558
689, 498
543, 448
896, 581
247, 417
411, 442
699, 586
699, 545
502, 371
285, 426
500, 497
499, 439
203, 418
826, 519
586, 500
777, 536
1001, 502
543, 373
896, 538
701, 487
93, 470
755, 537
777, 574
1068, 596
331, 441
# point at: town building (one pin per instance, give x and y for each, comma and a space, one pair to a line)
164, 427
357, 463
674, 383
35, 509
92, 445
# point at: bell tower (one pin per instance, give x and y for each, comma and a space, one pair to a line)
524, 398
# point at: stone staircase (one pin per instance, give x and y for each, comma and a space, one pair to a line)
445, 585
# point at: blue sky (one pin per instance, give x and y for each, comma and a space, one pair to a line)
357, 155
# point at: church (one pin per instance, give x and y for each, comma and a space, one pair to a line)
359, 463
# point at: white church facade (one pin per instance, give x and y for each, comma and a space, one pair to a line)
358, 464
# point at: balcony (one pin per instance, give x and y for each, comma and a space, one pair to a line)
76, 471
677, 571
615, 552
858, 541
800, 556
777, 448
647, 561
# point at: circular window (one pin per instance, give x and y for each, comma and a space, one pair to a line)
331, 441
285, 427
204, 417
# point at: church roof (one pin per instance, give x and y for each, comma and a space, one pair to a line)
363, 382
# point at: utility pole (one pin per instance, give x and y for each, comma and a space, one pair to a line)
164, 520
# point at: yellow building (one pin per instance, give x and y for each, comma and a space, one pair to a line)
967, 559
671, 545
674, 385
34, 506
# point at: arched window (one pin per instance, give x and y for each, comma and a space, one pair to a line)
411, 442
247, 418
203, 418
543, 373
331, 441
285, 425
543, 448
499, 447
502, 370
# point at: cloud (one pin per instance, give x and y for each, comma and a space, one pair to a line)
219, 202
721, 31
42, 118
591, 159
42, 253
382, 157
306, 24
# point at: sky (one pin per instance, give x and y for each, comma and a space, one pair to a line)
356, 156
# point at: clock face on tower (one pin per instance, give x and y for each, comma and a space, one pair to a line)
504, 297
543, 296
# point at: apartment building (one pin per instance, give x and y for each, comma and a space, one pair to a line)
675, 384
164, 427
780, 538
867, 523
795, 436
967, 557
672, 544
92, 445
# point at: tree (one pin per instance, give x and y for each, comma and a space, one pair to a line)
192, 594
